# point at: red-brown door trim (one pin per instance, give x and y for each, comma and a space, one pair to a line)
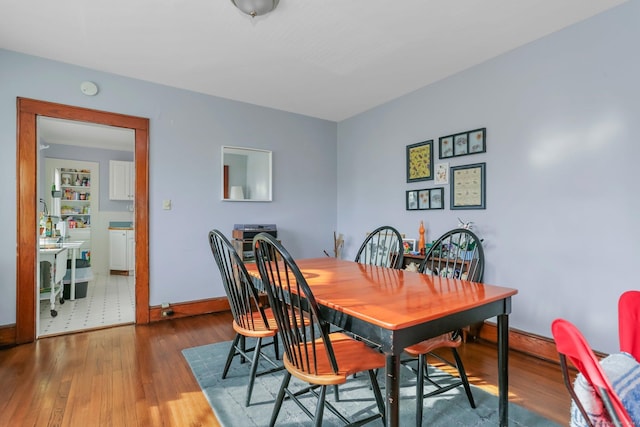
26, 204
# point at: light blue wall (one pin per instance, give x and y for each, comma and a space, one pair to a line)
186, 135
563, 144
562, 117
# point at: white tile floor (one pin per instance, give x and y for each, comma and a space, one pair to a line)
110, 301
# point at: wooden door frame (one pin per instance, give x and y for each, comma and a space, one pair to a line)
27, 204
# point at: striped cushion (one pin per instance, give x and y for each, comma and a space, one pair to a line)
623, 372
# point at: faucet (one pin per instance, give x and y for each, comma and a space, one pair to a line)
46, 210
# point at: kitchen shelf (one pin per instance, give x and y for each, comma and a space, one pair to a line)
75, 201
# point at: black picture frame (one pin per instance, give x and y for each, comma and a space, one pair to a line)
436, 198
412, 200
468, 186
463, 144
427, 198
420, 161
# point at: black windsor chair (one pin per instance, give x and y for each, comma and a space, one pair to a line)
382, 247
456, 254
250, 318
311, 354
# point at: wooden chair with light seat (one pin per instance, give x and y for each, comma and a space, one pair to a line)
456, 254
311, 354
250, 318
382, 247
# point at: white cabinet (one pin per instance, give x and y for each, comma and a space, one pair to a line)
131, 250
121, 250
121, 180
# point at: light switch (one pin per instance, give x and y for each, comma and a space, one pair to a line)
166, 205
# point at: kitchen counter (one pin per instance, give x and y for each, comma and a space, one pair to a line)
120, 225
52, 251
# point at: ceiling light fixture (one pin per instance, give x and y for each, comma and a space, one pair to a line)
256, 7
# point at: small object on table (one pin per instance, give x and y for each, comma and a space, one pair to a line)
422, 240
412, 267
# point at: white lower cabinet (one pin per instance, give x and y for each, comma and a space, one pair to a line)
121, 250
131, 250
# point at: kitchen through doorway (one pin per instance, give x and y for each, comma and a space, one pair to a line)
76, 178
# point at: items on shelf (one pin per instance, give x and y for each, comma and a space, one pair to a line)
75, 207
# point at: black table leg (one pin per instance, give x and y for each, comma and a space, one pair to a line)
392, 390
503, 369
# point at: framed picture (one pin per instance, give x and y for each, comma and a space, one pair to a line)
463, 143
442, 173
409, 245
468, 187
476, 141
460, 144
436, 198
412, 200
428, 198
446, 147
423, 199
420, 161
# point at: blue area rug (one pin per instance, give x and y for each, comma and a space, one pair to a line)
227, 397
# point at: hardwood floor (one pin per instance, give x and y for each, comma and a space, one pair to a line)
136, 376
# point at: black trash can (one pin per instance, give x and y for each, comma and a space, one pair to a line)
83, 275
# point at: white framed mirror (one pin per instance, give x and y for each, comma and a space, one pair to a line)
246, 174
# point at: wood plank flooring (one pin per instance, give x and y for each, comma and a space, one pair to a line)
136, 376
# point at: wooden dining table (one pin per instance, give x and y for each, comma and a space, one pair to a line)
397, 308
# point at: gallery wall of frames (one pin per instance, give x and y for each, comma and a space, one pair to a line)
466, 181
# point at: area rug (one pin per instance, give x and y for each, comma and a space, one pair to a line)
227, 397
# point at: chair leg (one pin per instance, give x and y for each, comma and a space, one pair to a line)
254, 368
280, 398
463, 377
420, 388
320, 406
336, 393
243, 347
373, 378
232, 353
276, 347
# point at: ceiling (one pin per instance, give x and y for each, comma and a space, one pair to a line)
68, 132
329, 59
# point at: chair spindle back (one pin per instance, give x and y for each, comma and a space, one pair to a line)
293, 304
242, 295
456, 254
382, 247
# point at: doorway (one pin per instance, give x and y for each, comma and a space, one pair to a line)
72, 156
27, 205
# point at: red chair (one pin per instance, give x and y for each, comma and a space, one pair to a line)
571, 344
628, 326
